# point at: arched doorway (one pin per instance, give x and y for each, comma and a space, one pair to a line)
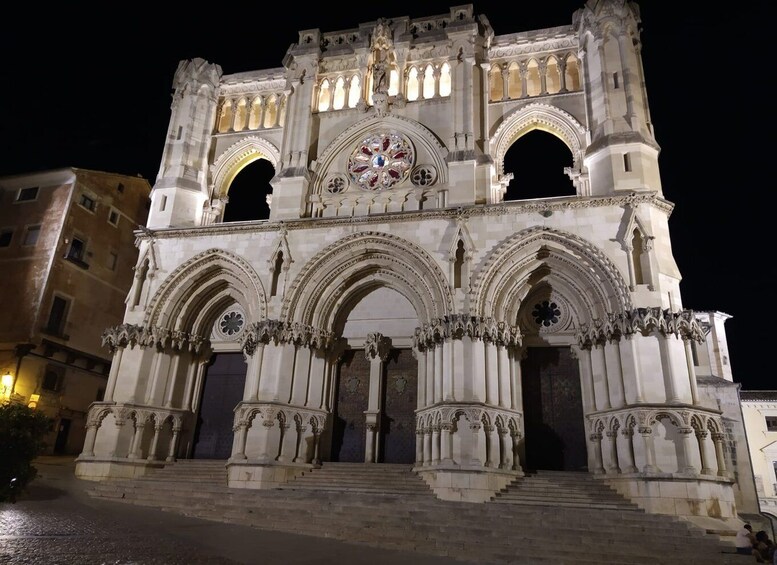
390, 395
222, 389
552, 410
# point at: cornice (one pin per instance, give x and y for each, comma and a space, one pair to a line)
519, 207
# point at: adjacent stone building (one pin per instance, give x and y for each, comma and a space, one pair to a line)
67, 251
402, 303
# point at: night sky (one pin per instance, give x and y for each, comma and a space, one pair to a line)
92, 89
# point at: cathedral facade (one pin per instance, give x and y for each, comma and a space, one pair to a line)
398, 306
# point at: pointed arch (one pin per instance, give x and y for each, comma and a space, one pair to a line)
543, 117
354, 266
201, 288
573, 267
227, 165
426, 144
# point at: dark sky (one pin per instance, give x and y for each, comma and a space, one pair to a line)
92, 89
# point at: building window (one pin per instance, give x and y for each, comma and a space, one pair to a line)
113, 217
27, 194
31, 236
51, 381
77, 252
771, 423
113, 260
57, 315
87, 202
5, 237
120, 188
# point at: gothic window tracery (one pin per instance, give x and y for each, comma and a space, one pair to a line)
381, 161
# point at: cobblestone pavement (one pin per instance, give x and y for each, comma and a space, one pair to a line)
57, 523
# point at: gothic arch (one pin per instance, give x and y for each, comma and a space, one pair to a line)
426, 146
196, 292
358, 264
538, 116
590, 282
227, 165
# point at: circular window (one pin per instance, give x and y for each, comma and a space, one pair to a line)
381, 161
231, 323
546, 313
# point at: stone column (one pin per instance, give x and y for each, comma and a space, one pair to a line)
140, 425
628, 452
515, 436
435, 445
701, 438
172, 449
614, 467
91, 436
110, 387
376, 349
446, 439
686, 465
241, 433
650, 454
427, 447
596, 443
419, 446
691, 371
155, 441
504, 376
504, 448
717, 439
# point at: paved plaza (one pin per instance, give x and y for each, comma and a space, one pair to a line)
57, 522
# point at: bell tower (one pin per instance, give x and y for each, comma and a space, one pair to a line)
623, 153
181, 186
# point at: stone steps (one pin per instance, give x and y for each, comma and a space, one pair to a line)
519, 526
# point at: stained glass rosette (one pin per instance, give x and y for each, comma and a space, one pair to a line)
381, 161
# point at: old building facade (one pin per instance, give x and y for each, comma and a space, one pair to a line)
400, 305
67, 248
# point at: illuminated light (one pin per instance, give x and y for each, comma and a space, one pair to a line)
34, 399
7, 383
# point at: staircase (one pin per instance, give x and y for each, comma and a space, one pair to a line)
548, 517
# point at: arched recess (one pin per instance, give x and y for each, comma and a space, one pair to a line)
553, 260
427, 147
200, 289
351, 268
227, 165
542, 117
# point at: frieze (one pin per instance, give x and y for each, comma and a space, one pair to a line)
457, 326
547, 47
275, 86
125, 335
517, 207
277, 332
338, 65
681, 324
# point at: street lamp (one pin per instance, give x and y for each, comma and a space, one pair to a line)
7, 384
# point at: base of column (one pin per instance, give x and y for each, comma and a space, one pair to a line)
678, 494
466, 484
98, 469
256, 475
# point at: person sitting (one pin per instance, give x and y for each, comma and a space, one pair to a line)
764, 546
745, 540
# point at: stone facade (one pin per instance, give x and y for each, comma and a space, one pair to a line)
546, 333
68, 251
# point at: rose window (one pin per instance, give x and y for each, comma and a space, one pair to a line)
546, 313
231, 323
381, 161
